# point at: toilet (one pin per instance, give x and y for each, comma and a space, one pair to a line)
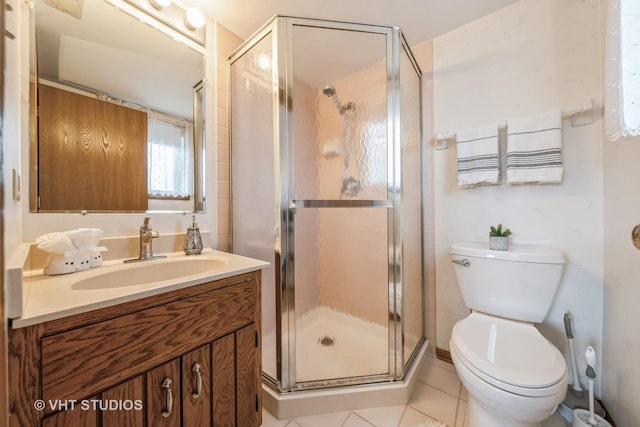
514, 376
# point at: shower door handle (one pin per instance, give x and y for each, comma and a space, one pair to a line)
379, 203
465, 262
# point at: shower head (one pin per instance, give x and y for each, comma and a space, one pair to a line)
329, 91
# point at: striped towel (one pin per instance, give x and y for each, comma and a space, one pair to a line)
478, 161
534, 149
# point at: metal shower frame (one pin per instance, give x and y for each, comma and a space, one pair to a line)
281, 27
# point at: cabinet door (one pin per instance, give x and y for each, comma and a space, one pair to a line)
130, 396
249, 377
224, 384
78, 416
163, 395
196, 387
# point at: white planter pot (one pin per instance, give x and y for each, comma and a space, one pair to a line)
499, 243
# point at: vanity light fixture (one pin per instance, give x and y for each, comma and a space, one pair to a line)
160, 4
71, 7
194, 19
188, 22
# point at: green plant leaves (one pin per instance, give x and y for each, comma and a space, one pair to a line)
499, 232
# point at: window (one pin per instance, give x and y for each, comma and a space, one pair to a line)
622, 86
170, 158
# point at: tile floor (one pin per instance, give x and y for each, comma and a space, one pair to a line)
439, 397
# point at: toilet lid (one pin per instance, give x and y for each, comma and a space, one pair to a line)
507, 351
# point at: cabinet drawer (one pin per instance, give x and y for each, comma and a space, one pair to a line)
83, 361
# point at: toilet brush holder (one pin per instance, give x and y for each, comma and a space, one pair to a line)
581, 419
572, 401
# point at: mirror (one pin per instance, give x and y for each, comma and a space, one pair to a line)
120, 120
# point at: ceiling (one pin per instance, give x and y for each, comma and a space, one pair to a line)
420, 20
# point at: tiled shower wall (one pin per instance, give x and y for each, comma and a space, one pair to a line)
226, 42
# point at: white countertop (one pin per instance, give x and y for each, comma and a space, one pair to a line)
53, 297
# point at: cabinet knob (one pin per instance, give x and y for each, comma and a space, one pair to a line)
196, 370
635, 236
166, 384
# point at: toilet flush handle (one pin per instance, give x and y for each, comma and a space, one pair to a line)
464, 262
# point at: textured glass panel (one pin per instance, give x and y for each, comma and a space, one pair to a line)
341, 275
412, 298
253, 178
340, 108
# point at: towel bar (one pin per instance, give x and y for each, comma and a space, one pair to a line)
442, 139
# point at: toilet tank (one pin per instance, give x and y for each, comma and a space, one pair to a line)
518, 284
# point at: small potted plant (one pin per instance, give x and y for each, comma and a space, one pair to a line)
499, 238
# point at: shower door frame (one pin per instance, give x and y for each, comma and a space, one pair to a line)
288, 204
281, 28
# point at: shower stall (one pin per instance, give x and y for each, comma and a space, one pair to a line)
326, 183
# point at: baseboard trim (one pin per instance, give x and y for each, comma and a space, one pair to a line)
607, 415
443, 354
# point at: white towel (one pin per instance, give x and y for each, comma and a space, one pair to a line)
55, 243
96, 255
534, 148
84, 237
59, 264
478, 161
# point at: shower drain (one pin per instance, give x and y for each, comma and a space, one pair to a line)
326, 341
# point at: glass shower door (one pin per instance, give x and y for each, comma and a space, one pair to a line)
341, 212
253, 173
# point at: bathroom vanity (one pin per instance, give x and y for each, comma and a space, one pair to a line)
182, 353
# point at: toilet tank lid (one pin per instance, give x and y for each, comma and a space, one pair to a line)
520, 253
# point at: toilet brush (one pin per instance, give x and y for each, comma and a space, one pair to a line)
568, 327
575, 397
590, 355
582, 417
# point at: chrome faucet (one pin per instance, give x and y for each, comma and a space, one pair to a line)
146, 243
146, 239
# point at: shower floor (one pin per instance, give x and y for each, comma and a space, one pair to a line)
331, 344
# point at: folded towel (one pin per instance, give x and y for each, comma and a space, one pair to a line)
478, 161
534, 148
96, 255
55, 243
82, 260
59, 264
84, 237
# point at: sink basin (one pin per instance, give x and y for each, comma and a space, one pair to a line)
148, 272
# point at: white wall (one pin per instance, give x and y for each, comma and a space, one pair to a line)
530, 57
621, 371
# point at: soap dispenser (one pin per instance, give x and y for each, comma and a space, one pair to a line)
193, 241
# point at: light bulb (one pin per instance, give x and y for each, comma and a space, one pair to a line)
159, 4
195, 19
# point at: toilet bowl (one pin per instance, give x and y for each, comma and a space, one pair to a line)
514, 376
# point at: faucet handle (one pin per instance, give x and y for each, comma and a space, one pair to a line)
145, 226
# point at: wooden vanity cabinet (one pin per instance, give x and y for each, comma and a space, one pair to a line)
189, 357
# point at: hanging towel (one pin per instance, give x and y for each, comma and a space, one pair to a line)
478, 161
534, 148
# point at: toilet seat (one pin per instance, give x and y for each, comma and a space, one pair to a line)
509, 354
